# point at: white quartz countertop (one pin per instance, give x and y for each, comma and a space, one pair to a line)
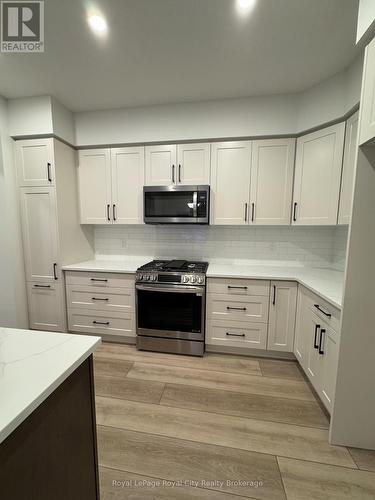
32, 365
327, 283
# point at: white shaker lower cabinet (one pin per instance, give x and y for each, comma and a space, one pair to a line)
101, 304
282, 315
317, 176
237, 313
316, 344
46, 307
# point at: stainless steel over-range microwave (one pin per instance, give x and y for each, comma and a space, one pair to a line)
176, 204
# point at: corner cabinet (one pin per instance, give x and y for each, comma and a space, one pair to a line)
282, 316
111, 185
52, 236
367, 107
182, 164
317, 176
348, 169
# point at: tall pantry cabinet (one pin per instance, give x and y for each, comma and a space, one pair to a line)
52, 235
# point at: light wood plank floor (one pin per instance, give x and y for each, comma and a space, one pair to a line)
219, 427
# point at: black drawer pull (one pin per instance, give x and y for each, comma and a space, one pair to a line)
108, 216
316, 334
98, 279
295, 212
238, 287
321, 341
236, 308
97, 298
42, 286
49, 172
321, 310
101, 322
234, 334
274, 295
55, 271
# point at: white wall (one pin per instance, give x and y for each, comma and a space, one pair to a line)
366, 18
13, 304
246, 117
62, 122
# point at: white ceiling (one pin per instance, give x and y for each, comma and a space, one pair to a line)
160, 51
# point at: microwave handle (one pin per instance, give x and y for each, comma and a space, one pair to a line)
195, 204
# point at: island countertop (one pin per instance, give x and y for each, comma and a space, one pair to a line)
32, 365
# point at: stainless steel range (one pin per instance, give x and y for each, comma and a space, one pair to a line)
170, 304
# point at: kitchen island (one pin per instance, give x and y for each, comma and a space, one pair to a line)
47, 416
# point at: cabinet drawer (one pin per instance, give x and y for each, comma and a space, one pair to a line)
326, 312
237, 334
112, 280
238, 286
101, 322
237, 308
100, 298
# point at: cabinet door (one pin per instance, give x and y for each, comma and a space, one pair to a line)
302, 329
193, 164
330, 349
230, 182
40, 237
317, 176
161, 168
282, 315
35, 162
127, 185
271, 181
314, 359
46, 308
367, 108
94, 174
348, 169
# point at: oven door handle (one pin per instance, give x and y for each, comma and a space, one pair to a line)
177, 288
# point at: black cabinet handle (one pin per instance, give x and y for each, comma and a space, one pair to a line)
49, 172
179, 173
322, 332
234, 334
316, 334
236, 308
252, 211
42, 286
173, 174
274, 295
295, 212
98, 279
101, 322
114, 212
239, 287
245, 212
321, 310
97, 298
55, 271
108, 215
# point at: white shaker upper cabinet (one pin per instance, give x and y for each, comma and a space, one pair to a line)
367, 109
193, 164
161, 165
317, 176
35, 162
127, 185
271, 181
282, 315
40, 236
348, 169
94, 174
230, 182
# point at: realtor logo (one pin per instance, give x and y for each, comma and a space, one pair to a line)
22, 26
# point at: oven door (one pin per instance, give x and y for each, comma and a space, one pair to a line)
176, 204
171, 311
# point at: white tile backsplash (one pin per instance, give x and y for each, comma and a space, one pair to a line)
310, 246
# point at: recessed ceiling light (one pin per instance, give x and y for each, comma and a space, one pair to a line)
98, 24
245, 6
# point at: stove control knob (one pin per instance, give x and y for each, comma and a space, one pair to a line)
193, 279
140, 277
154, 278
200, 279
185, 279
